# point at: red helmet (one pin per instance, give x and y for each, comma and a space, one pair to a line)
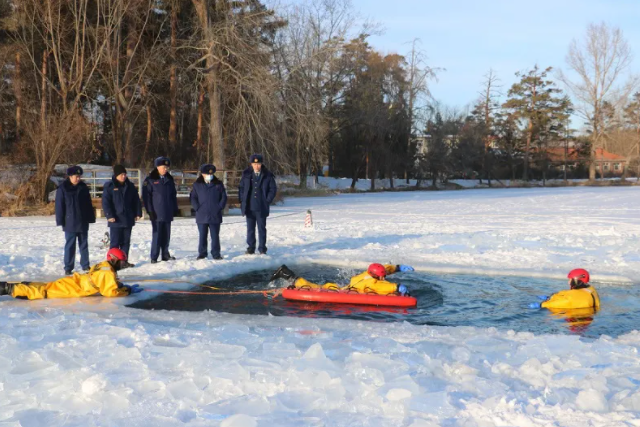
579, 274
115, 253
377, 271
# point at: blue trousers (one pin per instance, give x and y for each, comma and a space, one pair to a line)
214, 231
121, 238
160, 238
70, 250
253, 219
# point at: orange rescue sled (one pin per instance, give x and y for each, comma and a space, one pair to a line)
344, 297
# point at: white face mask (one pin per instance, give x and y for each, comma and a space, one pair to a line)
207, 178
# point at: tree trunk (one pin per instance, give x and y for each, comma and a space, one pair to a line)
128, 96
198, 142
592, 163
17, 88
172, 79
623, 177
525, 172
303, 169
215, 121
594, 144
43, 173
216, 143
116, 130
147, 141
43, 100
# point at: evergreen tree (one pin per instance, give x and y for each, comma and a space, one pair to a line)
539, 105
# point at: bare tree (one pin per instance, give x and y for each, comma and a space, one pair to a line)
307, 56
623, 137
599, 62
484, 110
126, 65
419, 75
240, 86
64, 52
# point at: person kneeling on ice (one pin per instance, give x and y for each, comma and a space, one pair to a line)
101, 279
370, 281
581, 294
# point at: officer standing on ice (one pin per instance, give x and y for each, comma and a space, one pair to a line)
256, 192
160, 200
74, 212
208, 198
122, 207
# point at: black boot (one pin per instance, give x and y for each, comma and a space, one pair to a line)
126, 264
283, 273
6, 288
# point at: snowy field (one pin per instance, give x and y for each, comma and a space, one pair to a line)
95, 362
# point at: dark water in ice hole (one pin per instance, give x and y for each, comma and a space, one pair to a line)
443, 299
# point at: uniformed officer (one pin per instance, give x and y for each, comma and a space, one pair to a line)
159, 197
122, 207
208, 198
256, 191
74, 212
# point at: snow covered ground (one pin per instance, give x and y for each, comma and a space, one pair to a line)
95, 362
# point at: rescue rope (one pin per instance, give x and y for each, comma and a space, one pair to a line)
170, 281
266, 293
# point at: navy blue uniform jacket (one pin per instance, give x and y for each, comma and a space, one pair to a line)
267, 186
121, 201
158, 198
208, 200
74, 211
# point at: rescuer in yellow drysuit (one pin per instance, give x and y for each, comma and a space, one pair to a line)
101, 279
370, 281
581, 294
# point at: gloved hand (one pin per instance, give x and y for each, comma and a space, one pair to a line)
133, 289
176, 212
153, 216
535, 305
402, 290
405, 268
543, 297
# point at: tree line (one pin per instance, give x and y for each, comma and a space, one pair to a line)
512, 135
123, 81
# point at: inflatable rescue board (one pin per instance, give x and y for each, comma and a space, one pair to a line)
344, 297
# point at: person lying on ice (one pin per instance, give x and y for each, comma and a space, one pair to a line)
580, 294
101, 279
370, 281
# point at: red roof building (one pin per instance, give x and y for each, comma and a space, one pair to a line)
606, 162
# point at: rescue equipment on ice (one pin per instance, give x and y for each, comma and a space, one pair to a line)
308, 220
348, 297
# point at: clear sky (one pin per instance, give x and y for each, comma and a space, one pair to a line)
468, 37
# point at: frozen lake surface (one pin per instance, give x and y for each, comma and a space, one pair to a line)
96, 362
